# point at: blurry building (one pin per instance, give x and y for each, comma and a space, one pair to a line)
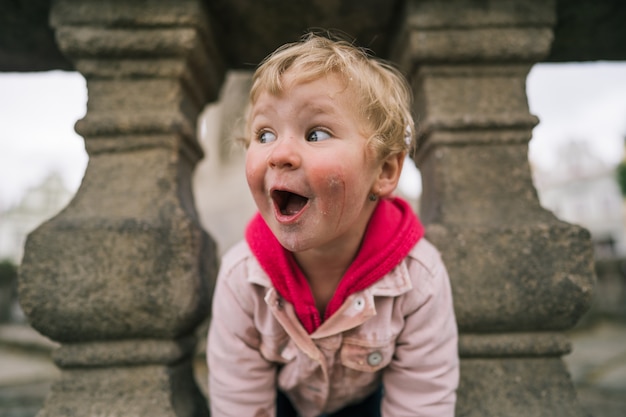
38, 204
581, 188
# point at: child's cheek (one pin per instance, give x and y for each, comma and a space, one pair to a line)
331, 190
254, 174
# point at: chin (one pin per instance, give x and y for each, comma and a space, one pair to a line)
293, 243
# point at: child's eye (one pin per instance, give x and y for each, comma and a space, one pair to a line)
265, 137
317, 136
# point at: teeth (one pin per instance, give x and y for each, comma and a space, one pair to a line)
288, 203
295, 203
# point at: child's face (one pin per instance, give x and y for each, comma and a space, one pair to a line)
309, 166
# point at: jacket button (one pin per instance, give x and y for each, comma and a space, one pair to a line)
374, 358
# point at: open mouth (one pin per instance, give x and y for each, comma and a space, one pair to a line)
288, 203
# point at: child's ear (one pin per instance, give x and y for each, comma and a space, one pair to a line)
389, 175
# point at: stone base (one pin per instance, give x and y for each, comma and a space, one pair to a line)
149, 390
516, 387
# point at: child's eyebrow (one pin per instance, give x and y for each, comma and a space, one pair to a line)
260, 110
325, 106
317, 109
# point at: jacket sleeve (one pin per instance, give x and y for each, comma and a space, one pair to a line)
241, 381
423, 376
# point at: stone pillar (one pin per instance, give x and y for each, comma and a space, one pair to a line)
123, 276
520, 277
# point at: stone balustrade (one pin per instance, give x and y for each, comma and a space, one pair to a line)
123, 276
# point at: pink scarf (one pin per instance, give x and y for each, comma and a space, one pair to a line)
391, 233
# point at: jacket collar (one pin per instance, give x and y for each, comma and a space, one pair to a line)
355, 310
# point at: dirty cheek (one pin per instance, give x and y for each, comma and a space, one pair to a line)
336, 198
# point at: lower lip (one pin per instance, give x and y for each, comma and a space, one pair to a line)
289, 219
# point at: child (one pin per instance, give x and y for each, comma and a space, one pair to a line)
334, 305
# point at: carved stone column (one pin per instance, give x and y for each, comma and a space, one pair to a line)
123, 276
520, 276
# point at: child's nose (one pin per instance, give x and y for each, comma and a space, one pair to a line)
285, 154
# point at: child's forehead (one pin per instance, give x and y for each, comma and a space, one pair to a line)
336, 81
325, 94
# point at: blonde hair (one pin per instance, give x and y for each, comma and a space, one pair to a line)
383, 94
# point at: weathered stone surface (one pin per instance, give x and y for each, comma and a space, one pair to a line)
123, 260
130, 352
124, 275
518, 274
507, 278
479, 185
586, 30
453, 97
514, 265
371, 22
513, 345
516, 387
149, 390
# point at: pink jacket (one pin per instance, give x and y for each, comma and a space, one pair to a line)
400, 331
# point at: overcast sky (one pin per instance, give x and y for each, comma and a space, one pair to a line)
38, 110
37, 116
578, 102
